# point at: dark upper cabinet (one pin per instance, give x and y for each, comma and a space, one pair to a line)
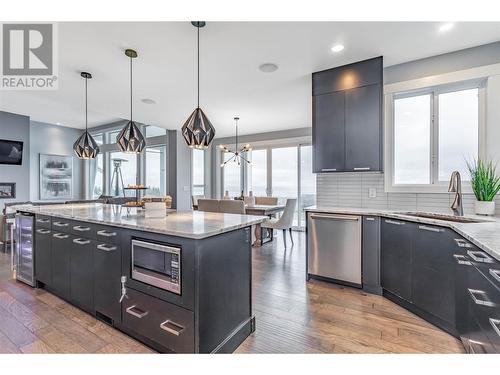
43, 255
396, 257
347, 117
328, 132
81, 275
363, 129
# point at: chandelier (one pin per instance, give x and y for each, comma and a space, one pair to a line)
237, 154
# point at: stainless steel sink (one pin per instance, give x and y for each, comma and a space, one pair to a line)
444, 217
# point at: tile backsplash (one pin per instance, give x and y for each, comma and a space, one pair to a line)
352, 190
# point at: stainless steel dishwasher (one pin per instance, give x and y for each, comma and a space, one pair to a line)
334, 247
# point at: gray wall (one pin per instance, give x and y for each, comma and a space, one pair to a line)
17, 128
55, 140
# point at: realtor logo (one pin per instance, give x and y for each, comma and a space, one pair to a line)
28, 56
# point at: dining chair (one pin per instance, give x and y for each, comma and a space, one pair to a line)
266, 201
284, 222
232, 207
208, 205
196, 198
249, 201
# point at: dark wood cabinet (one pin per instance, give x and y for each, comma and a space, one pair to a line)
347, 118
329, 132
371, 254
43, 255
396, 257
81, 273
61, 256
107, 273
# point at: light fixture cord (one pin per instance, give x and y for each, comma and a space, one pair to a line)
131, 88
86, 106
198, 66
236, 134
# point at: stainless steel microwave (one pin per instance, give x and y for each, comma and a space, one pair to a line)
157, 265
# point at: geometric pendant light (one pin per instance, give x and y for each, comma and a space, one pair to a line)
85, 146
198, 131
130, 138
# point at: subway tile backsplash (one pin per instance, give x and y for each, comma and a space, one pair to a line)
352, 190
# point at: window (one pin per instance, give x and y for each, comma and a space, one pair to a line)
198, 170
257, 174
155, 131
156, 179
123, 167
434, 132
307, 181
96, 177
231, 176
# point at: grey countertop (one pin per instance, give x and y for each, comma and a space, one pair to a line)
187, 224
485, 235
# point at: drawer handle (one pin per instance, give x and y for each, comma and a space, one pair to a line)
370, 219
60, 236
42, 221
362, 168
495, 274
485, 301
329, 170
105, 233
80, 241
495, 323
462, 243
430, 229
172, 327
43, 231
135, 311
394, 222
479, 256
462, 259
78, 228
334, 217
59, 224
106, 248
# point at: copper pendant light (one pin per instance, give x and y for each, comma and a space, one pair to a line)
85, 146
130, 138
198, 131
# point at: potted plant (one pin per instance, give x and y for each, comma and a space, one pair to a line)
485, 184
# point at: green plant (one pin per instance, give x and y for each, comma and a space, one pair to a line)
484, 180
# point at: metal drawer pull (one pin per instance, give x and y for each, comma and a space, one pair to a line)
430, 229
79, 241
394, 222
479, 256
60, 236
59, 224
362, 169
329, 170
43, 221
81, 229
462, 259
462, 243
135, 311
171, 327
334, 217
105, 233
370, 219
495, 323
484, 302
495, 274
106, 248
43, 231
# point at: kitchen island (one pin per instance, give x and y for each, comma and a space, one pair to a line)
179, 283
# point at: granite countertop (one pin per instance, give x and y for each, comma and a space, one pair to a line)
187, 224
485, 235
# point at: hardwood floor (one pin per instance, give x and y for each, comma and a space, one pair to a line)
292, 316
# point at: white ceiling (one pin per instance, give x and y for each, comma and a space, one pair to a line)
231, 83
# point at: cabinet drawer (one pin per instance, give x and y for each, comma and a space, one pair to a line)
82, 229
61, 225
167, 324
43, 221
107, 234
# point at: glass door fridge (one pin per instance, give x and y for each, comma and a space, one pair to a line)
24, 248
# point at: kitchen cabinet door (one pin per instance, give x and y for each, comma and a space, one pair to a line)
61, 255
81, 283
371, 254
363, 128
396, 269
328, 133
107, 273
433, 284
43, 255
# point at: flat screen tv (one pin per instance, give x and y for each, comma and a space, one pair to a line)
11, 152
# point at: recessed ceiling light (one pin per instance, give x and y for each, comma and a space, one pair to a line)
446, 27
337, 48
58, 123
148, 101
268, 67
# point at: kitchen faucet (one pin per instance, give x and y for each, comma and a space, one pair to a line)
455, 186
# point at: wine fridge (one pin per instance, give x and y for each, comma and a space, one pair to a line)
24, 248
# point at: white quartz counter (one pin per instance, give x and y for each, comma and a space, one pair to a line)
187, 224
485, 235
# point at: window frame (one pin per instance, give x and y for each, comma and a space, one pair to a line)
435, 186
204, 185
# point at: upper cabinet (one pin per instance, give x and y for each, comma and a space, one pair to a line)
347, 118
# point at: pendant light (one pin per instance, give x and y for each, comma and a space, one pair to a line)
237, 157
198, 131
130, 138
85, 146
